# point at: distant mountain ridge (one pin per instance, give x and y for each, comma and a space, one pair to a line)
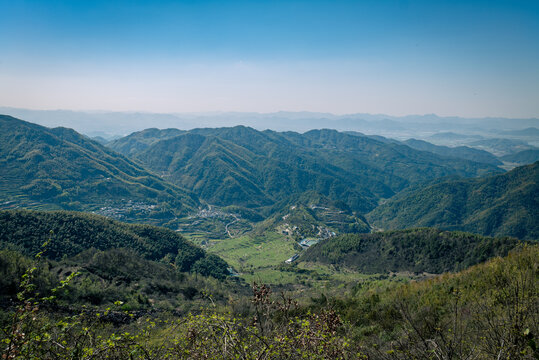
460, 152
500, 205
528, 132
122, 123
501, 147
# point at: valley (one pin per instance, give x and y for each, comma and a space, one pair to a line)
239, 187
168, 225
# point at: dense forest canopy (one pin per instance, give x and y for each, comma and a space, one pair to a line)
505, 204
71, 233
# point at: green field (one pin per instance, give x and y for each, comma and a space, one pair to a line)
252, 252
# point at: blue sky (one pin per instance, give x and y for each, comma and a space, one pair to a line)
467, 58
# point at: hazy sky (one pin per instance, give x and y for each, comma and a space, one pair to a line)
467, 58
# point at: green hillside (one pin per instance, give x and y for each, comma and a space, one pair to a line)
416, 250
245, 167
397, 159
217, 170
488, 311
501, 205
71, 233
59, 168
485, 312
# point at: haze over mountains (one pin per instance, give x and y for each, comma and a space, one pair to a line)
109, 123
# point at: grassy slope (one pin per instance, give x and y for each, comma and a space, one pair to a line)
254, 252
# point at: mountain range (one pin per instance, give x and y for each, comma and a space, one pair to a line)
253, 199
256, 169
323, 180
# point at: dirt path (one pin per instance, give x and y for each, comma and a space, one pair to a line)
230, 223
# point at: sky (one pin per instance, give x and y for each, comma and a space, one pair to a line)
453, 58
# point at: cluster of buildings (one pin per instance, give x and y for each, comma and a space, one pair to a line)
118, 211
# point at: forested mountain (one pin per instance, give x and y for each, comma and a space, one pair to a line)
522, 157
263, 171
59, 167
141, 140
415, 250
501, 205
251, 168
71, 233
459, 152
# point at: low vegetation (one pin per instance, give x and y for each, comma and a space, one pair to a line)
487, 311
